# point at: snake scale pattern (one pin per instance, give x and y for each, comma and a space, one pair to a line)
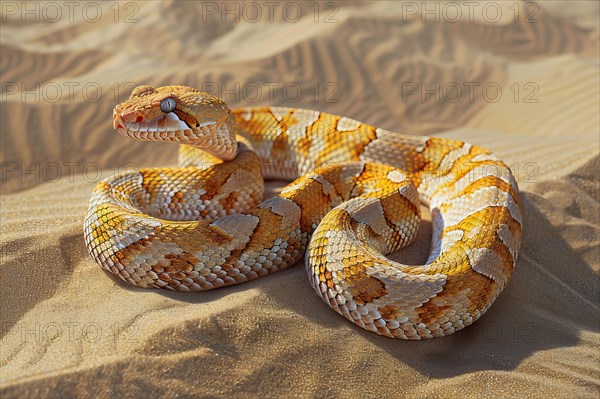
355, 197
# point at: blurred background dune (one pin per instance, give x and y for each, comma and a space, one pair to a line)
521, 78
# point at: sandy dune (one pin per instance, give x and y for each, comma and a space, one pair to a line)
527, 89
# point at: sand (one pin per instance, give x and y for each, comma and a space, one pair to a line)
71, 330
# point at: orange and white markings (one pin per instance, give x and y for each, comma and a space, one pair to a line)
355, 198
346, 124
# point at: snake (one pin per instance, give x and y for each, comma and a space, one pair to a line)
354, 197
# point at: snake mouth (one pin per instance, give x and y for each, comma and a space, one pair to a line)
168, 127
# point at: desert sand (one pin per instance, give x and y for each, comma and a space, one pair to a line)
525, 85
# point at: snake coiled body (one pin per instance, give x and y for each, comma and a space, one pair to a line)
354, 198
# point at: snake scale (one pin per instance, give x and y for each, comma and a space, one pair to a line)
355, 197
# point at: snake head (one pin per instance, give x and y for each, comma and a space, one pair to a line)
177, 114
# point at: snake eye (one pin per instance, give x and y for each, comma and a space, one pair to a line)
167, 105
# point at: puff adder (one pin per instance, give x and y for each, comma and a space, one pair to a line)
354, 198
